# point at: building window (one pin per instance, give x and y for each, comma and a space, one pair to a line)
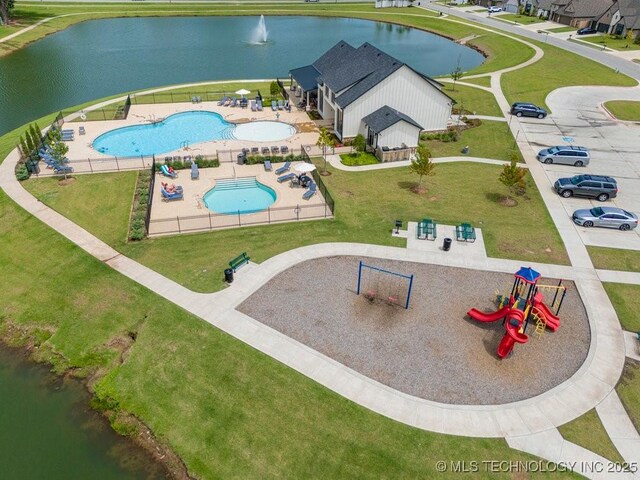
326, 89
339, 123
333, 97
320, 101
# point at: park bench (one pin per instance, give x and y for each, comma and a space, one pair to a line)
427, 229
465, 233
239, 261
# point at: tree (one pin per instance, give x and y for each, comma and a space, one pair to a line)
6, 6
455, 76
24, 148
359, 143
629, 37
512, 177
422, 165
325, 140
58, 148
275, 89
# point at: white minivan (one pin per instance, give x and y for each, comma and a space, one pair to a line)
576, 156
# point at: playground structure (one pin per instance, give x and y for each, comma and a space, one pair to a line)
376, 283
520, 308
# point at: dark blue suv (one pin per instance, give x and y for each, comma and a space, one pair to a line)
520, 109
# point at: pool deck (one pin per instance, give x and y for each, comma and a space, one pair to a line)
80, 148
194, 216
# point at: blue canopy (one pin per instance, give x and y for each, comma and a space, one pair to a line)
527, 274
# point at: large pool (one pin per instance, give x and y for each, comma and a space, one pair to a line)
183, 130
239, 196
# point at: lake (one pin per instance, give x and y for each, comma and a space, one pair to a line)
99, 58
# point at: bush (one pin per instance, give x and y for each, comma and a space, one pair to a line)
22, 173
448, 136
137, 224
137, 234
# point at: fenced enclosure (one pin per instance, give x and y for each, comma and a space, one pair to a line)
118, 111
378, 284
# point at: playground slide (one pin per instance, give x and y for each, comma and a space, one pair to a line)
553, 322
515, 319
479, 316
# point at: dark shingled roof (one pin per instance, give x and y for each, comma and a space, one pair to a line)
307, 77
351, 72
386, 116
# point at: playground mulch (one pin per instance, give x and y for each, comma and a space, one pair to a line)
432, 350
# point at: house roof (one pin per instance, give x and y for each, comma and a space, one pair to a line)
630, 13
307, 77
582, 8
351, 72
385, 117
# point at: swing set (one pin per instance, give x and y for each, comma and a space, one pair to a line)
376, 283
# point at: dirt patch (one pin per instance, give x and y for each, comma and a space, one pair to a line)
66, 181
432, 350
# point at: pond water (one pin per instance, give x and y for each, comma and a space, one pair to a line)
48, 431
98, 58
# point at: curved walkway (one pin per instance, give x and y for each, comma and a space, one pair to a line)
336, 162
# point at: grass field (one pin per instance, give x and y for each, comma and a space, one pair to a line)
561, 29
608, 41
588, 432
629, 390
614, 259
520, 19
491, 139
626, 300
473, 100
624, 110
556, 69
482, 81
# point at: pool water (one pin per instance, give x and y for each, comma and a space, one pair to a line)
239, 196
183, 130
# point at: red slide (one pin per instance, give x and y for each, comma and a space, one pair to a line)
514, 321
479, 316
552, 321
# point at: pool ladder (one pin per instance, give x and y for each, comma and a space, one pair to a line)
184, 144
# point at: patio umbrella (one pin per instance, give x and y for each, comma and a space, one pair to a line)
304, 167
243, 92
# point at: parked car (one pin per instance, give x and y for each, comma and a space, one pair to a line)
568, 155
494, 9
586, 31
609, 217
595, 186
522, 109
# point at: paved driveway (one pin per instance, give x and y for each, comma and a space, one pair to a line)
578, 114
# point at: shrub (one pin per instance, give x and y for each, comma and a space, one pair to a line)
22, 173
137, 224
137, 234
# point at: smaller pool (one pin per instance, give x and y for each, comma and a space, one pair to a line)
239, 195
263, 131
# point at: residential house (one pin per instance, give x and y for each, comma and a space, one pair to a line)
620, 18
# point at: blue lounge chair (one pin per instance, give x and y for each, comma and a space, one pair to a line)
284, 149
165, 171
287, 177
311, 192
195, 173
67, 131
259, 105
287, 106
227, 102
280, 105
223, 101
57, 168
274, 106
267, 166
81, 131
254, 107
234, 102
284, 168
177, 195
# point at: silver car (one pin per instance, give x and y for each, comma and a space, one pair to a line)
569, 155
609, 217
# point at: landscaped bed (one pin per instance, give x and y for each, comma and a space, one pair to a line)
624, 110
430, 350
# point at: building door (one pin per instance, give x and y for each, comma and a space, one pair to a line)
370, 138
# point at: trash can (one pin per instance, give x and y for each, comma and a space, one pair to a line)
446, 245
241, 159
465, 150
228, 275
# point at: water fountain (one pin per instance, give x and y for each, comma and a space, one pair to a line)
260, 33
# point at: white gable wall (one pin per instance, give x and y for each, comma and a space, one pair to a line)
397, 134
405, 91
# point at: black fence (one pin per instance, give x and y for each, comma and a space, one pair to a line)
181, 97
217, 221
152, 184
321, 186
111, 112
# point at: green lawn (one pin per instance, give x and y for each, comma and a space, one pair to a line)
357, 159
491, 139
209, 92
473, 100
626, 300
629, 390
588, 432
608, 41
561, 29
556, 69
107, 217
624, 110
615, 259
520, 19
482, 81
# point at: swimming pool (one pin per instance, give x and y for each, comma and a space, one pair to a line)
239, 195
185, 129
